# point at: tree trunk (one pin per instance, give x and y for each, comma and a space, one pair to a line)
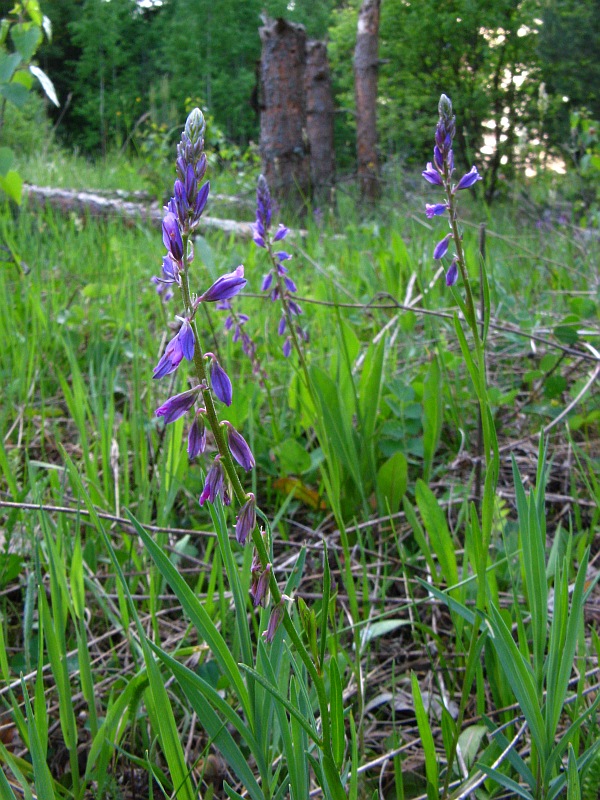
283, 142
365, 90
319, 117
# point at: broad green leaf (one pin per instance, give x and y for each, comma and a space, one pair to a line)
15, 93
469, 742
7, 158
12, 185
8, 64
392, 480
26, 39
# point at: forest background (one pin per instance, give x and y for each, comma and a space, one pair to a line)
125, 72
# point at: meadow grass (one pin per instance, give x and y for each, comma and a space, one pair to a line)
112, 651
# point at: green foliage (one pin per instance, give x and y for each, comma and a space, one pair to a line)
21, 33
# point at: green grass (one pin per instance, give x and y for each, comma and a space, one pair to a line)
111, 636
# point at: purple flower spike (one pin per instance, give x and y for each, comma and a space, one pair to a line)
452, 274
239, 447
436, 210
441, 247
172, 236
468, 180
274, 622
246, 520
178, 405
226, 286
196, 437
432, 175
214, 485
220, 383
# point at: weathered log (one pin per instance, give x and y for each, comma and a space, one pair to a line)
96, 205
283, 141
365, 90
319, 117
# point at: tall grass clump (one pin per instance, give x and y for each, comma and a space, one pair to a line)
258, 529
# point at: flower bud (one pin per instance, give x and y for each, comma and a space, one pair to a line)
239, 447
178, 405
221, 385
195, 126
246, 520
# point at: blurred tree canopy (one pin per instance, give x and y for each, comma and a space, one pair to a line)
513, 68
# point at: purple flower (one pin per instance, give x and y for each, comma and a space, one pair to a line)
452, 274
196, 437
200, 203
172, 236
436, 210
246, 519
468, 180
441, 247
287, 347
178, 405
267, 282
274, 621
282, 232
219, 380
432, 175
239, 447
226, 286
214, 485
179, 347
282, 324
260, 588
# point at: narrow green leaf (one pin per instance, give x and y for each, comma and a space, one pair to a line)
436, 526
285, 702
44, 784
519, 675
505, 781
427, 742
338, 738
573, 785
203, 699
197, 614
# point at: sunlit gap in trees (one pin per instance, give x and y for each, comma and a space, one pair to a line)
531, 145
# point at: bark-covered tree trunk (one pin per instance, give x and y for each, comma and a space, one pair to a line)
283, 141
365, 90
319, 117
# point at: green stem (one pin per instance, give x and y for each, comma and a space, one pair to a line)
491, 464
241, 496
